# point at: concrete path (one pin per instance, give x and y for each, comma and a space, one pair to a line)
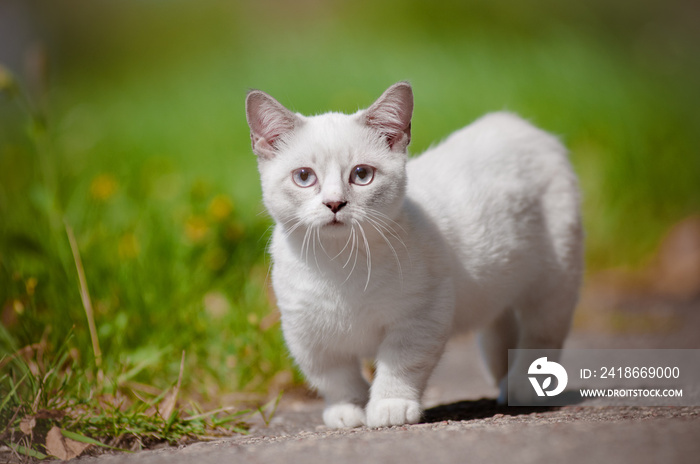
463, 423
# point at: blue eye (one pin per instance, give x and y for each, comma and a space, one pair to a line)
304, 177
362, 175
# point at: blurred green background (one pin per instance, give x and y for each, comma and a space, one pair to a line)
133, 135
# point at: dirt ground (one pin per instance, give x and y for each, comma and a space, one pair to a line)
462, 422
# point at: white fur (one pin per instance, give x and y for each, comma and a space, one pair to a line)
481, 232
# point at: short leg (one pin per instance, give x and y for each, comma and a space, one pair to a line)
542, 324
344, 390
495, 341
404, 364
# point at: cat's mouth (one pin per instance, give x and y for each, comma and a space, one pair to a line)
335, 222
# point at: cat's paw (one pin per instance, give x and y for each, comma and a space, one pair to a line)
392, 411
344, 415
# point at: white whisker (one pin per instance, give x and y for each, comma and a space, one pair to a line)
386, 226
387, 219
344, 247
393, 250
305, 244
317, 236
369, 255
289, 230
356, 248
352, 236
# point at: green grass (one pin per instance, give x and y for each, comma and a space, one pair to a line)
138, 144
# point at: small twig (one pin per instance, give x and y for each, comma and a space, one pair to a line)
85, 295
11, 421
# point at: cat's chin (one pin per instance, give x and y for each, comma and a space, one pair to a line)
335, 228
335, 223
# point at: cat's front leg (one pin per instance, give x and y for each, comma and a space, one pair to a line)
404, 364
344, 389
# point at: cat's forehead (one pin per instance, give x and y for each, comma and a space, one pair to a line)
330, 137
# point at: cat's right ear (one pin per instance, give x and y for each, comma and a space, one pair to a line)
269, 121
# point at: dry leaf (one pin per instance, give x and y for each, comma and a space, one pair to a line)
169, 403
167, 406
61, 447
27, 424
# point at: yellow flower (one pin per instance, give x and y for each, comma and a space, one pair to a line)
196, 228
103, 187
220, 207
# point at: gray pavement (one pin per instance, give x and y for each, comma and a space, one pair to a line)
463, 423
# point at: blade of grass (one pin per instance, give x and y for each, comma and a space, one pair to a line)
85, 295
12, 392
216, 411
91, 441
170, 410
27, 451
262, 409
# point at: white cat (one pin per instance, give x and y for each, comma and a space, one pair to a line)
375, 256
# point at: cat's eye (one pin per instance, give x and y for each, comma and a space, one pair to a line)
362, 175
304, 177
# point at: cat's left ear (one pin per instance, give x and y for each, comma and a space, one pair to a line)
391, 115
269, 122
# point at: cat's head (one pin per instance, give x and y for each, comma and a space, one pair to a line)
330, 170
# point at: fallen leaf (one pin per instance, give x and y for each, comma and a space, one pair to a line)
27, 424
169, 403
61, 447
167, 406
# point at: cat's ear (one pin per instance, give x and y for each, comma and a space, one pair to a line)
391, 115
268, 121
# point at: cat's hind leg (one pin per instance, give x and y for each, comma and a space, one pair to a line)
494, 341
543, 323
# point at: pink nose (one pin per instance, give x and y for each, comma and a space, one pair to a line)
335, 206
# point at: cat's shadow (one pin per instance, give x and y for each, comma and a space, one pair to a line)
477, 409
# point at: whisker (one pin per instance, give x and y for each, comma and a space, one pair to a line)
320, 242
386, 218
393, 250
380, 221
356, 248
388, 229
369, 255
299, 220
344, 247
304, 244
317, 236
352, 236
308, 244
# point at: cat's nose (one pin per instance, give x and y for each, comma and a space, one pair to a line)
335, 206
